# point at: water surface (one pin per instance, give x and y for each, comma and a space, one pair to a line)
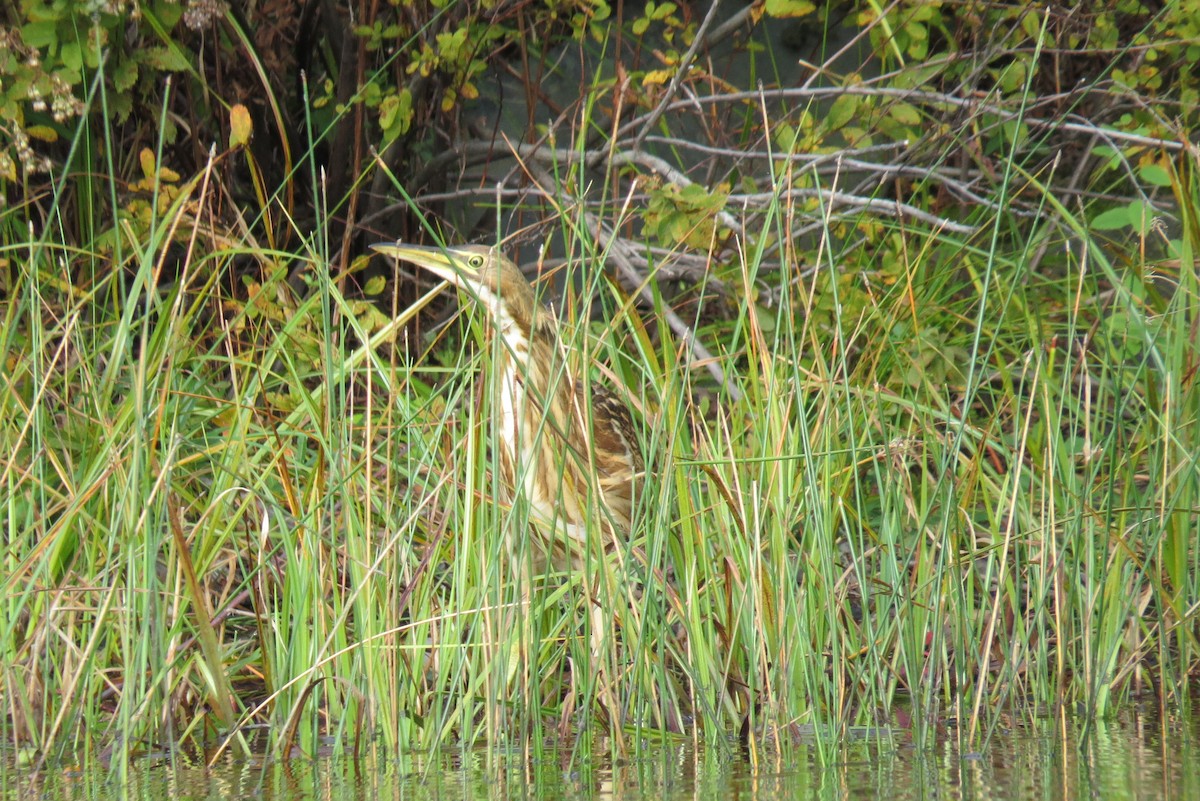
1139, 755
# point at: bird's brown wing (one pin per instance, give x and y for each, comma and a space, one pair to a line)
619, 464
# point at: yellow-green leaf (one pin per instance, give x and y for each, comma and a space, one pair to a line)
146, 159
241, 127
789, 8
395, 114
905, 114
43, 133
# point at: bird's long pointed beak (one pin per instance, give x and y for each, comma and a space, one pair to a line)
445, 263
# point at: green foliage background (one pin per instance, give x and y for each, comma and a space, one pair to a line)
910, 336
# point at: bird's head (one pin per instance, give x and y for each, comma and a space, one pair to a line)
482, 271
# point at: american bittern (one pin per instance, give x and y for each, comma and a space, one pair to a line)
570, 448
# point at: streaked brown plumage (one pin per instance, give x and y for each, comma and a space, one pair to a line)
565, 444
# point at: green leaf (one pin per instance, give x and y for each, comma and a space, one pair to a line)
72, 56
125, 75
1014, 131
120, 106
785, 136
1111, 220
1012, 78
1137, 215
39, 35
841, 112
163, 58
1112, 156
1155, 175
1141, 216
168, 12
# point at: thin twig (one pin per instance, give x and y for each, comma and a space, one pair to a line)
681, 72
915, 96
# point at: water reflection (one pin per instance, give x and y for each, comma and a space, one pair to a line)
1140, 755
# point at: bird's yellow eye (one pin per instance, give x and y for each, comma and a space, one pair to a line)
475, 262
